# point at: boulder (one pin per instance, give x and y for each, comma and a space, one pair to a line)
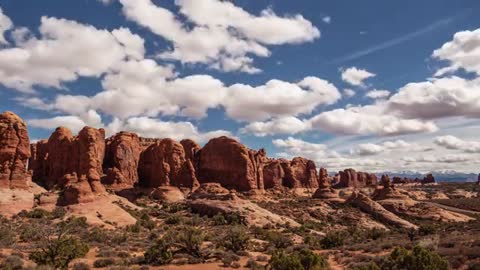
388, 191
168, 194
164, 164
122, 155
14, 152
231, 164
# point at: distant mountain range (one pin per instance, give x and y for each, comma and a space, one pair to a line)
440, 176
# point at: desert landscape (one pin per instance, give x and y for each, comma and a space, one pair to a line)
239, 134
126, 202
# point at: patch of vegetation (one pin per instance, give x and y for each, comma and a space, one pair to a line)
235, 239
303, 259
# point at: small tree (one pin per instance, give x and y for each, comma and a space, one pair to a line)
304, 259
58, 247
235, 239
159, 254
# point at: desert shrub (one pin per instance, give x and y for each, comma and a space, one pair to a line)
235, 239
229, 258
7, 236
427, 229
37, 213
278, 240
303, 259
370, 266
418, 258
58, 248
159, 254
103, 262
135, 228
58, 212
189, 240
30, 232
146, 222
81, 266
173, 219
228, 219
59, 252
333, 240
119, 238
97, 235
252, 264
12, 263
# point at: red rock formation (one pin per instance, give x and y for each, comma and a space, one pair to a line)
121, 160
90, 146
305, 172
273, 174
191, 148
325, 191
14, 152
230, 163
146, 142
71, 163
164, 164
428, 179
352, 178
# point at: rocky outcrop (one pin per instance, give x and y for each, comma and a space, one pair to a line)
373, 208
14, 152
298, 173
122, 154
231, 164
352, 178
273, 174
73, 164
388, 191
325, 191
164, 164
428, 179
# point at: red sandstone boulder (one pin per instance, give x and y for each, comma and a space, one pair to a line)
230, 163
14, 152
121, 160
164, 164
325, 191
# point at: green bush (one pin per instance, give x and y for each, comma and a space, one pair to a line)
173, 219
303, 259
189, 240
333, 240
419, 259
235, 239
278, 240
81, 266
427, 229
7, 236
370, 266
228, 219
159, 254
59, 252
37, 213
100, 263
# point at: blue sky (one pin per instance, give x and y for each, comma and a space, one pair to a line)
274, 74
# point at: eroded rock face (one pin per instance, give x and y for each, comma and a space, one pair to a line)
352, 178
164, 164
191, 148
122, 155
230, 163
71, 163
273, 174
305, 172
14, 152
